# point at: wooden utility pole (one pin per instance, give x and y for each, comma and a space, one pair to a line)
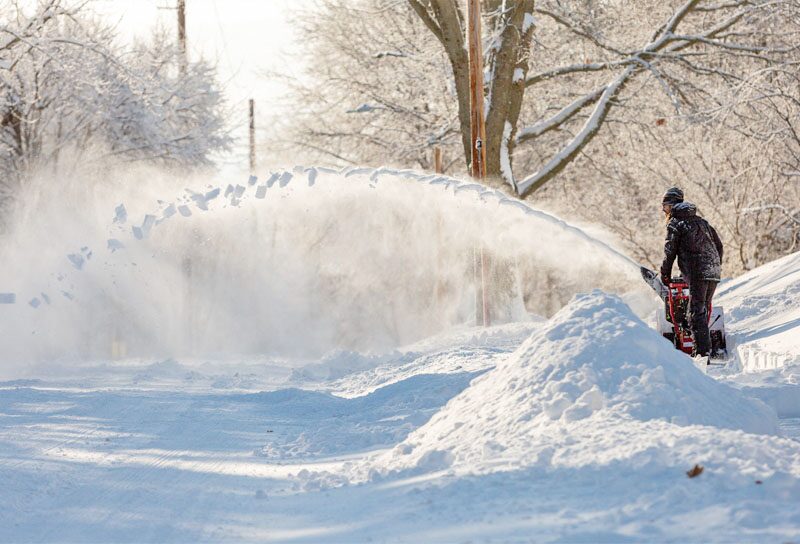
477, 127
438, 167
441, 288
184, 60
477, 121
252, 136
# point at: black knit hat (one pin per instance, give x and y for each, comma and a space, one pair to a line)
672, 196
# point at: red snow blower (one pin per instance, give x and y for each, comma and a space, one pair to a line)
673, 322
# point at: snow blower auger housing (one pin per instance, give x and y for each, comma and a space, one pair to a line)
673, 322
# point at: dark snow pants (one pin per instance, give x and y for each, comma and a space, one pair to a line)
700, 294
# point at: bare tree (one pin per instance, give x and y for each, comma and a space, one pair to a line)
511, 25
693, 40
737, 160
618, 101
68, 89
378, 88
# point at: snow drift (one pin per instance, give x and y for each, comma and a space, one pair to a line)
595, 385
763, 320
763, 313
582, 434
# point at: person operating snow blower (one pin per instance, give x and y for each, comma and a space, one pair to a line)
698, 249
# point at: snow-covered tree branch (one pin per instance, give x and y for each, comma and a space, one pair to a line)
609, 95
68, 89
704, 43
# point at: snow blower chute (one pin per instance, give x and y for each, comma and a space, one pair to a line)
673, 322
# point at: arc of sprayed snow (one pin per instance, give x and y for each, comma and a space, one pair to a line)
485, 193
373, 174
150, 221
358, 172
552, 219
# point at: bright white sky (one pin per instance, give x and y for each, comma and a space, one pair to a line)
246, 38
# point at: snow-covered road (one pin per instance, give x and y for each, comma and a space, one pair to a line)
577, 428
143, 466
135, 457
164, 452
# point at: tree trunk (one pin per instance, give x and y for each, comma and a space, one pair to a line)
509, 67
452, 34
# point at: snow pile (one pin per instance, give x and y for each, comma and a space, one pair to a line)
461, 349
594, 386
341, 363
763, 315
763, 329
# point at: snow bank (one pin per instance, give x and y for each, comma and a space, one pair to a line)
763, 328
763, 315
341, 363
593, 386
460, 349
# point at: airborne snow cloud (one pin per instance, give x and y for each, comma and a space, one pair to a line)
362, 259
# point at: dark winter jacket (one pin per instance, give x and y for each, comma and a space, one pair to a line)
694, 242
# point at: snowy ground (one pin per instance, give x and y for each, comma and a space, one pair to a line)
580, 428
764, 318
576, 429
182, 453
